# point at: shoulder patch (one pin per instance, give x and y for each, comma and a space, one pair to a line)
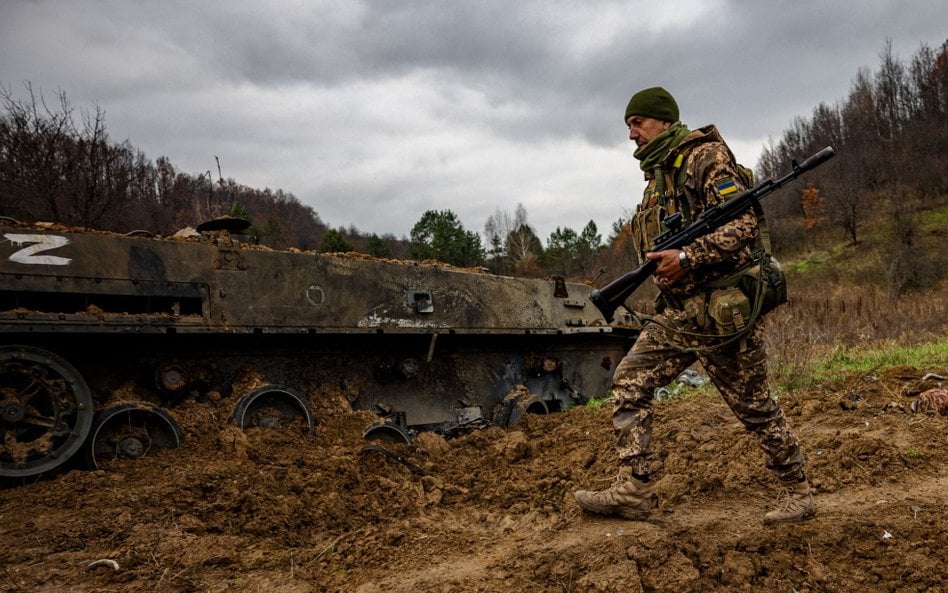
725, 186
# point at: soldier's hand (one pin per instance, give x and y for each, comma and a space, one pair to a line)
669, 270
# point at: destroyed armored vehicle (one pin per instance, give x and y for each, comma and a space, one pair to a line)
102, 335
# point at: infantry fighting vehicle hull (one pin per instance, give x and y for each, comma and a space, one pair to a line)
101, 335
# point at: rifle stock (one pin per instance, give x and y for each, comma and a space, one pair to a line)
608, 298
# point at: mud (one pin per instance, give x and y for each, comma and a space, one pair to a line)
277, 510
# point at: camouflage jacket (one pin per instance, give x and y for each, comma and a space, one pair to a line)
698, 173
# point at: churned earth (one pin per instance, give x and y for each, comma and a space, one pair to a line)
280, 511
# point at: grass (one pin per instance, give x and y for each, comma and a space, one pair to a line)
935, 218
799, 363
842, 361
835, 324
805, 352
675, 391
596, 403
820, 259
807, 264
797, 367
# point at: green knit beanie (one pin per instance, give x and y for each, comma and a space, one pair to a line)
653, 102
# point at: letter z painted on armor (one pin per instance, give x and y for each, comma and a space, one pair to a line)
39, 243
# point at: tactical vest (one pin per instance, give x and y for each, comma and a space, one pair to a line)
668, 193
729, 305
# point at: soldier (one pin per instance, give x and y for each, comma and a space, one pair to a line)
702, 315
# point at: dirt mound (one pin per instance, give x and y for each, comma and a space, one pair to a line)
277, 510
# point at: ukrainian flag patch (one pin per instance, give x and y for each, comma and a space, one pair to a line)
726, 187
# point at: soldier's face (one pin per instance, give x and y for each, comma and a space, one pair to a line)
643, 130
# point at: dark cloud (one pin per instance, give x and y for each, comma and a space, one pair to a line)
373, 111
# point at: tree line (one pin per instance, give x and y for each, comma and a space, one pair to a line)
890, 135
59, 164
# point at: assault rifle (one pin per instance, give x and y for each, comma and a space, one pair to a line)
608, 298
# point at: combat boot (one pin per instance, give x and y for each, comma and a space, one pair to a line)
627, 497
797, 506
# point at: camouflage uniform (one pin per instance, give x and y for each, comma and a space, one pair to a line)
707, 175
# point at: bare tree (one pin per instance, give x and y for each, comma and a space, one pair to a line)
33, 139
522, 241
511, 242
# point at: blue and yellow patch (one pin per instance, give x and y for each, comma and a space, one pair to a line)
726, 187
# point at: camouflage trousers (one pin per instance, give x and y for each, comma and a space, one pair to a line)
738, 370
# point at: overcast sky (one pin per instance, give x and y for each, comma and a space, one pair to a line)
374, 111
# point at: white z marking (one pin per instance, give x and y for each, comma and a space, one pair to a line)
40, 243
